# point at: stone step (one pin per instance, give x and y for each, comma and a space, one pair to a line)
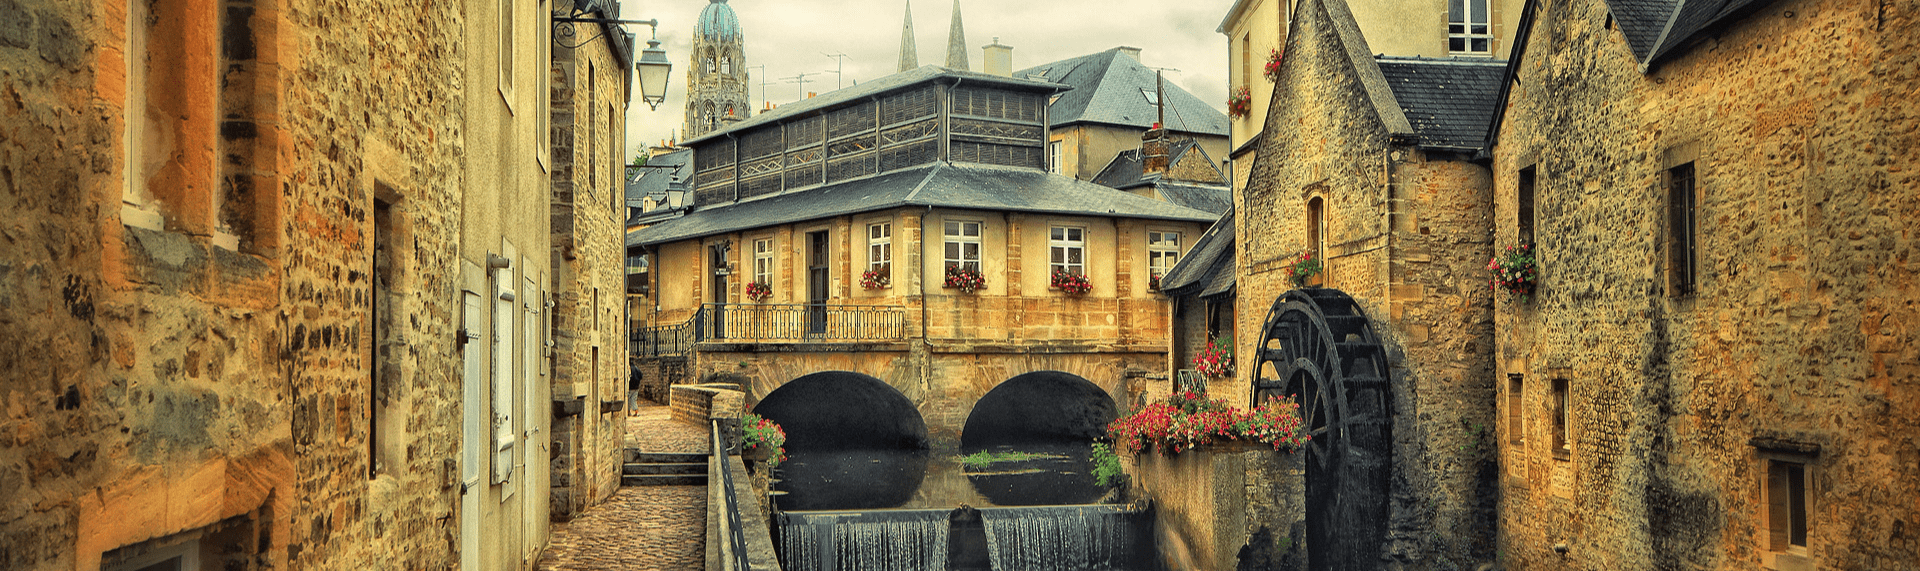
664, 480
665, 469
638, 457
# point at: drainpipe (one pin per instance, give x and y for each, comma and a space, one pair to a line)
926, 346
1393, 216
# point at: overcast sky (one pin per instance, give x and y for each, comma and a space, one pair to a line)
790, 36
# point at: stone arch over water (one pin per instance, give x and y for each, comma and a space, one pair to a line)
1040, 406
842, 410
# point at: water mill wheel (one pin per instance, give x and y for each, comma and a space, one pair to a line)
1317, 346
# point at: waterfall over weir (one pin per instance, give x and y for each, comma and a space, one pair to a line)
1048, 538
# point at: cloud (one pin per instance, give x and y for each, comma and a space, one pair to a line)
786, 38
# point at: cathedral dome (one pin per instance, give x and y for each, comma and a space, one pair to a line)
717, 22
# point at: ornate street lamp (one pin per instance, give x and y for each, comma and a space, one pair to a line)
653, 65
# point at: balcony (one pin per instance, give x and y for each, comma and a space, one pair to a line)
738, 323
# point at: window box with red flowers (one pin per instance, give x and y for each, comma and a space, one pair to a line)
1306, 266
878, 278
1190, 420
965, 278
1153, 282
1072, 283
758, 291
1273, 66
1515, 271
1216, 361
1240, 103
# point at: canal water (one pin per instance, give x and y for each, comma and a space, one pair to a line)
921, 510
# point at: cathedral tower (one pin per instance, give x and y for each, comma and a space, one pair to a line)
717, 77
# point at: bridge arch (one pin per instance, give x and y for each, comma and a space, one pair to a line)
1040, 406
844, 410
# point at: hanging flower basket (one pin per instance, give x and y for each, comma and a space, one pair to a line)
763, 440
758, 291
1071, 283
1305, 267
1216, 361
876, 279
1240, 103
966, 278
1273, 65
1515, 272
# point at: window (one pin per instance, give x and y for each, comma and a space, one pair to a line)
1786, 506
1068, 247
726, 65
1152, 97
1468, 31
709, 65
1523, 217
1317, 236
1163, 250
963, 244
382, 453
1681, 230
1053, 157
506, 49
763, 261
879, 246
1515, 430
1246, 59
1561, 447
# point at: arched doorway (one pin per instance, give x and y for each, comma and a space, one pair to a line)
1317, 346
853, 442
1051, 414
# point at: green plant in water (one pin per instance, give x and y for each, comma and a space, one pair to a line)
1106, 465
983, 458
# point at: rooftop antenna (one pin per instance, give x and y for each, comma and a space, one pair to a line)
841, 63
1160, 97
763, 84
802, 80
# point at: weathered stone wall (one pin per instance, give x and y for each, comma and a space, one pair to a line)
1407, 236
1211, 504
698, 403
588, 95
1800, 123
193, 350
657, 374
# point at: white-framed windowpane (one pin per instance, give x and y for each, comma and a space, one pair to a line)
1163, 251
879, 246
1067, 249
1469, 28
1053, 157
963, 244
763, 261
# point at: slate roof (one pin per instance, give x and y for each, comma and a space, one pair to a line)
655, 182
969, 186
1107, 89
1207, 269
1656, 29
1450, 102
1213, 198
861, 91
1127, 171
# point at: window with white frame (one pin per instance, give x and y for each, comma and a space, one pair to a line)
879, 246
963, 244
763, 261
1163, 251
1068, 247
1469, 31
1053, 157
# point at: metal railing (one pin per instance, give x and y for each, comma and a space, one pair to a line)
755, 322
733, 536
771, 322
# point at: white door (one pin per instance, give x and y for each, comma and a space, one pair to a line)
473, 435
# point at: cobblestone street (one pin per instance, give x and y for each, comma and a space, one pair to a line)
641, 528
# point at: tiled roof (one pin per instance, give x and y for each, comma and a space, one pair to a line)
1214, 198
655, 181
1450, 102
1126, 171
854, 93
1655, 29
1207, 268
968, 186
1107, 88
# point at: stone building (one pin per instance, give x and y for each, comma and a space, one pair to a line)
246, 313
1176, 171
591, 88
1256, 30
891, 183
1717, 367
1114, 100
717, 76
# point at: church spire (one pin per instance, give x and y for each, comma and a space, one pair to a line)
957, 42
909, 51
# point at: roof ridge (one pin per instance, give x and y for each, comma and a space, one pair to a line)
1661, 40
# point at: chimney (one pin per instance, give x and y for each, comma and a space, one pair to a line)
810, 94
1153, 151
1131, 51
999, 59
